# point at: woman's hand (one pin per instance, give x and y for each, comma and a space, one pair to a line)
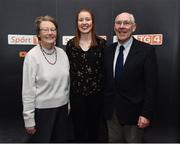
31, 130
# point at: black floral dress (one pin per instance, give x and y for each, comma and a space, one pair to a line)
86, 98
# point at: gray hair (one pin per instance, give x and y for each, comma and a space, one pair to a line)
132, 19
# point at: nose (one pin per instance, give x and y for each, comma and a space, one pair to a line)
122, 24
84, 21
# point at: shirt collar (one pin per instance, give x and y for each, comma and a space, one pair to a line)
126, 44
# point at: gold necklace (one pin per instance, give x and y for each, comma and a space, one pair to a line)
45, 53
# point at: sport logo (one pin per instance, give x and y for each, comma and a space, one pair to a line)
22, 39
152, 39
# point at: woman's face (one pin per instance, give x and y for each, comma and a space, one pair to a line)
47, 33
84, 22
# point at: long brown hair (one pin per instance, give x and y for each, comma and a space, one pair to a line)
78, 33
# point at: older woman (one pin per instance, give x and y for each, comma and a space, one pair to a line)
45, 90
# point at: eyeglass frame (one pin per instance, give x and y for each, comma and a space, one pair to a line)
125, 23
46, 30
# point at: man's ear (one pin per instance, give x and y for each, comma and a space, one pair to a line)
134, 27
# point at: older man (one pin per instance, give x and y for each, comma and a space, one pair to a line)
131, 82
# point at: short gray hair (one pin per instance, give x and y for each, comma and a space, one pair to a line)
132, 19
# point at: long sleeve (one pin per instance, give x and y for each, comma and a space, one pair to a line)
44, 85
28, 91
150, 83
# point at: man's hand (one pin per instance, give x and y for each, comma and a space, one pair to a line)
143, 122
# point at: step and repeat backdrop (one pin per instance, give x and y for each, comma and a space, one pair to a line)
158, 23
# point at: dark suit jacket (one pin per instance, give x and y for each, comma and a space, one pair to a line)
135, 92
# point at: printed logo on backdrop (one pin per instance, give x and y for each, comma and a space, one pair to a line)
65, 39
32, 39
152, 39
22, 39
16, 39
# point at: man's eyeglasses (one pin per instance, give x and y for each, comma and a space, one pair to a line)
46, 30
125, 23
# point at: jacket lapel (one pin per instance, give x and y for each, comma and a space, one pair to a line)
132, 53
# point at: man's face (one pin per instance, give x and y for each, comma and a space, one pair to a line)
124, 27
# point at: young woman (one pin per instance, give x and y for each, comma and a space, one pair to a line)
85, 53
45, 89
